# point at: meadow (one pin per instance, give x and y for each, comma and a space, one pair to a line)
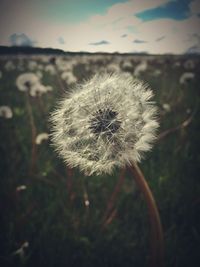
55, 216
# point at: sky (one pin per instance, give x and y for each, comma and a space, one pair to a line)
124, 26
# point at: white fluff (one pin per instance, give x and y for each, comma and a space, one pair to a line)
128, 128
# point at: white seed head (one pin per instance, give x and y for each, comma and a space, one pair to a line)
26, 80
106, 122
6, 112
41, 137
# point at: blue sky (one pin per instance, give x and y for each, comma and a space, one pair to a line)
153, 26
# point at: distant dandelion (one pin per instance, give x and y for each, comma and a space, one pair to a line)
6, 112
26, 80
140, 68
107, 122
69, 77
31, 82
186, 77
41, 137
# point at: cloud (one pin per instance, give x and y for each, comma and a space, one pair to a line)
103, 42
20, 40
118, 27
160, 38
137, 41
193, 50
61, 40
124, 35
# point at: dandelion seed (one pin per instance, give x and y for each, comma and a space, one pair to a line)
107, 122
41, 137
6, 112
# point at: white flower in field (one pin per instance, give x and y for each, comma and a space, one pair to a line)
39, 89
141, 67
108, 121
50, 69
6, 112
26, 80
113, 67
69, 77
9, 65
186, 77
41, 137
127, 65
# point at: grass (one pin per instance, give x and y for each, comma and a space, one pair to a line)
51, 215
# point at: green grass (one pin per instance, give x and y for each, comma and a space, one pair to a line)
51, 215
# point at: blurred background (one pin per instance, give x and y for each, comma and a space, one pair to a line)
55, 216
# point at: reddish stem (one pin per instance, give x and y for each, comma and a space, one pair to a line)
113, 197
157, 241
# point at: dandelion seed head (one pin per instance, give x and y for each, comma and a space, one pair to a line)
107, 122
41, 137
6, 112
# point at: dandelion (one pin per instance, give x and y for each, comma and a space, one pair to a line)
186, 77
107, 122
69, 77
39, 89
50, 69
41, 137
6, 112
26, 80
141, 67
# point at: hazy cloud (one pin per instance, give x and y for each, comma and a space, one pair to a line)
20, 40
137, 41
160, 38
103, 42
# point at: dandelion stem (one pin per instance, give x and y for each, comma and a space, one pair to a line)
33, 133
157, 241
113, 197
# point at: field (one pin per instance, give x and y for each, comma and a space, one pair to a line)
55, 216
